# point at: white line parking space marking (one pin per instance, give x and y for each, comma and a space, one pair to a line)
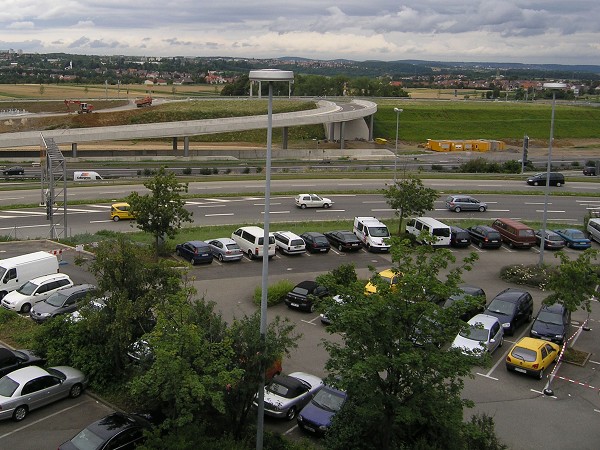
210, 206
291, 429
487, 376
543, 395
101, 221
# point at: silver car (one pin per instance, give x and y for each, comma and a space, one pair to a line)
225, 249
485, 334
458, 203
32, 387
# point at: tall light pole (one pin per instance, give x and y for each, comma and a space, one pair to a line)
397, 111
270, 76
554, 87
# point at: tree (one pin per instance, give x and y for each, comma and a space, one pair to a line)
162, 211
404, 388
408, 196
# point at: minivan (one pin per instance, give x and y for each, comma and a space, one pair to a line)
515, 233
440, 231
34, 291
539, 179
593, 229
289, 243
251, 240
373, 233
120, 211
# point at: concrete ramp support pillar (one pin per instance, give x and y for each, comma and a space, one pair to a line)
174, 144
284, 140
371, 127
332, 131
74, 150
186, 146
342, 126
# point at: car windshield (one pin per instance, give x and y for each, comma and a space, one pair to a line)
501, 307
8, 386
87, 440
526, 233
279, 389
548, 317
28, 288
379, 232
57, 299
328, 400
475, 333
524, 354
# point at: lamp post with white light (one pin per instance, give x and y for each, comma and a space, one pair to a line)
270, 76
397, 111
554, 87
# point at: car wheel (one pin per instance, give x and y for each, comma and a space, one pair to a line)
291, 413
341, 247
541, 374
303, 206
250, 254
116, 218
20, 413
480, 244
482, 209
312, 308
325, 205
220, 258
568, 245
457, 209
536, 183
558, 184
26, 308
75, 390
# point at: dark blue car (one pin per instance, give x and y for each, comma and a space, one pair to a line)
574, 238
195, 252
316, 416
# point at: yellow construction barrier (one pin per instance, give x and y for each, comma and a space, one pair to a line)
475, 145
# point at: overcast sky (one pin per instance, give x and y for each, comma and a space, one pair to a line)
526, 31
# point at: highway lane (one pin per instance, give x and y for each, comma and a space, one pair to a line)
93, 217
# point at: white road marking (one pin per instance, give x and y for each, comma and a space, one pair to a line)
224, 214
101, 221
374, 201
487, 376
535, 203
277, 212
291, 429
385, 209
557, 212
33, 213
330, 210
210, 206
263, 204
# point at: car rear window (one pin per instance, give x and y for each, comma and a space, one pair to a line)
494, 235
297, 242
526, 233
300, 291
524, 354
233, 247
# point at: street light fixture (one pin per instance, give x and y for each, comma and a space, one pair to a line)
270, 76
397, 111
554, 87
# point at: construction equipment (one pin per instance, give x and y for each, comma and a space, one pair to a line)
84, 107
145, 101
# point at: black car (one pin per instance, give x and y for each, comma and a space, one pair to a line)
315, 242
115, 431
63, 301
15, 170
343, 240
195, 251
552, 323
302, 296
15, 359
459, 237
539, 179
589, 170
469, 302
512, 307
485, 237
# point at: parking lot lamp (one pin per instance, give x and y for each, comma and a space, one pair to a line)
397, 111
270, 76
554, 87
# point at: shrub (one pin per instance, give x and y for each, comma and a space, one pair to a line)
149, 172
215, 171
205, 171
437, 167
187, 171
477, 165
227, 171
246, 170
512, 166
259, 169
530, 275
275, 293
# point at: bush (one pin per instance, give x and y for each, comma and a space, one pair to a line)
205, 171
187, 171
259, 169
275, 293
215, 171
530, 275
437, 167
149, 172
228, 171
512, 166
246, 170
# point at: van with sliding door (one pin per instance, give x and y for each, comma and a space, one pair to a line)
419, 226
515, 233
251, 239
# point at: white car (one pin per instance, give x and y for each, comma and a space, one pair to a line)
485, 334
312, 201
34, 291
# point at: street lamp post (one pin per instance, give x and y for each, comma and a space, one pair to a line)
397, 111
554, 87
270, 76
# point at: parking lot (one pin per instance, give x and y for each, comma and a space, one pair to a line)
566, 420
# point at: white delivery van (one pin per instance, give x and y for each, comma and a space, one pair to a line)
86, 176
374, 235
18, 270
250, 240
427, 225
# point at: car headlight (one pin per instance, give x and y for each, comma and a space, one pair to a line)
506, 325
45, 315
323, 427
534, 332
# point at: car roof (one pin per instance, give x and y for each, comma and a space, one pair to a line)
76, 288
25, 374
224, 240
457, 229
533, 343
53, 276
313, 233
486, 320
388, 273
511, 294
287, 233
197, 243
120, 204
114, 423
307, 284
289, 381
555, 308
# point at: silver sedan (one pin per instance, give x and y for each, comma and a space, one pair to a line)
225, 249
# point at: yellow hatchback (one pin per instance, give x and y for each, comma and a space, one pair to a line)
120, 211
532, 356
387, 276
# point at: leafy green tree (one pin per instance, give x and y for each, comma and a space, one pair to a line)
408, 196
161, 212
404, 388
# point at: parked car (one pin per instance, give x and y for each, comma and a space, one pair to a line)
574, 238
343, 240
34, 291
539, 179
115, 431
316, 416
14, 170
469, 301
485, 237
315, 242
512, 307
552, 323
303, 295
289, 243
285, 395
593, 230
63, 301
532, 356
15, 359
32, 387
484, 334
552, 240
225, 249
312, 201
387, 276
589, 170
195, 251
458, 203
325, 319
92, 306
459, 237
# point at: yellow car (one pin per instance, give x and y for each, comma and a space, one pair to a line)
120, 211
532, 356
387, 276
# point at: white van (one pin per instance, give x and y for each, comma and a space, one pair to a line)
20, 269
86, 176
593, 229
250, 240
431, 226
373, 233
